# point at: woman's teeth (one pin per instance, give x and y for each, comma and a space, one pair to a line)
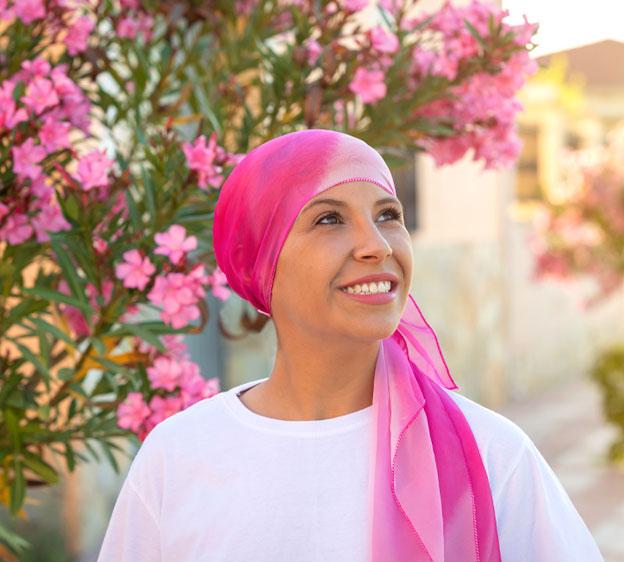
369, 288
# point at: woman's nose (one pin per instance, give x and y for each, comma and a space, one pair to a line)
369, 242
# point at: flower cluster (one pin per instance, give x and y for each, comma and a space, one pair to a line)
43, 105
176, 292
583, 235
178, 295
482, 108
134, 22
97, 299
175, 384
207, 160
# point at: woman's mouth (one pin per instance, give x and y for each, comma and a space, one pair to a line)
380, 292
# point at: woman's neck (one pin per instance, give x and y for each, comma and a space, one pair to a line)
314, 384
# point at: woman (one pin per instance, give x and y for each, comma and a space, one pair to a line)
354, 448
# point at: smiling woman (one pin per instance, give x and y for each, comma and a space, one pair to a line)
355, 448
346, 237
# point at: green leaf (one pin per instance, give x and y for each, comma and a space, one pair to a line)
78, 248
73, 405
8, 385
69, 271
57, 332
40, 467
473, 31
66, 374
22, 309
112, 366
18, 488
13, 541
12, 423
150, 194
135, 218
109, 455
44, 348
145, 334
36, 361
138, 132
91, 450
99, 346
55, 296
70, 206
154, 326
70, 457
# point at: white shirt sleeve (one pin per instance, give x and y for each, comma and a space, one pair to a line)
133, 534
537, 521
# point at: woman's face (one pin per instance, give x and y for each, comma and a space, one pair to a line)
332, 244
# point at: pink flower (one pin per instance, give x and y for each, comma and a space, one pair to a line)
212, 387
218, 280
36, 67
49, 219
313, 50
75, 105
99, 245
6, 14
93, 170
100, 298
177, 294
384, 41
42, 190
524, 31
76, 320
174, 343
449, 150
25, 159
195, 280
193, 387
368, 85
132, 412
4, 211
78, 34
29, 10
145, 25
9, 114
422, 61
354, 5
127, 27
392, 6
40, 95
162, 408
72, 315
135, 271
16, 229
54, 134
191, 384
174, 243
165, 373
200, 157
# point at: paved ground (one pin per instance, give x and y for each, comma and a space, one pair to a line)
567, 426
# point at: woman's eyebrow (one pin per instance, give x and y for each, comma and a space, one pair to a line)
339, 203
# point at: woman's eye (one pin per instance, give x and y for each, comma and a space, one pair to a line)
394, 214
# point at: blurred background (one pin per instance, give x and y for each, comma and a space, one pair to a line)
524, 295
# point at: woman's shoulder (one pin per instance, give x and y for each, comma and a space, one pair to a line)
181, 432
501, 442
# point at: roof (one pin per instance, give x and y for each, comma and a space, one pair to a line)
599, 63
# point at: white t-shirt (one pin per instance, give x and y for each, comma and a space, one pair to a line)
220, 483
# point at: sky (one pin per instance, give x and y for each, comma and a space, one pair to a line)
570, 23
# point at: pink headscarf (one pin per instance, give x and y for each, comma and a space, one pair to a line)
430, 498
